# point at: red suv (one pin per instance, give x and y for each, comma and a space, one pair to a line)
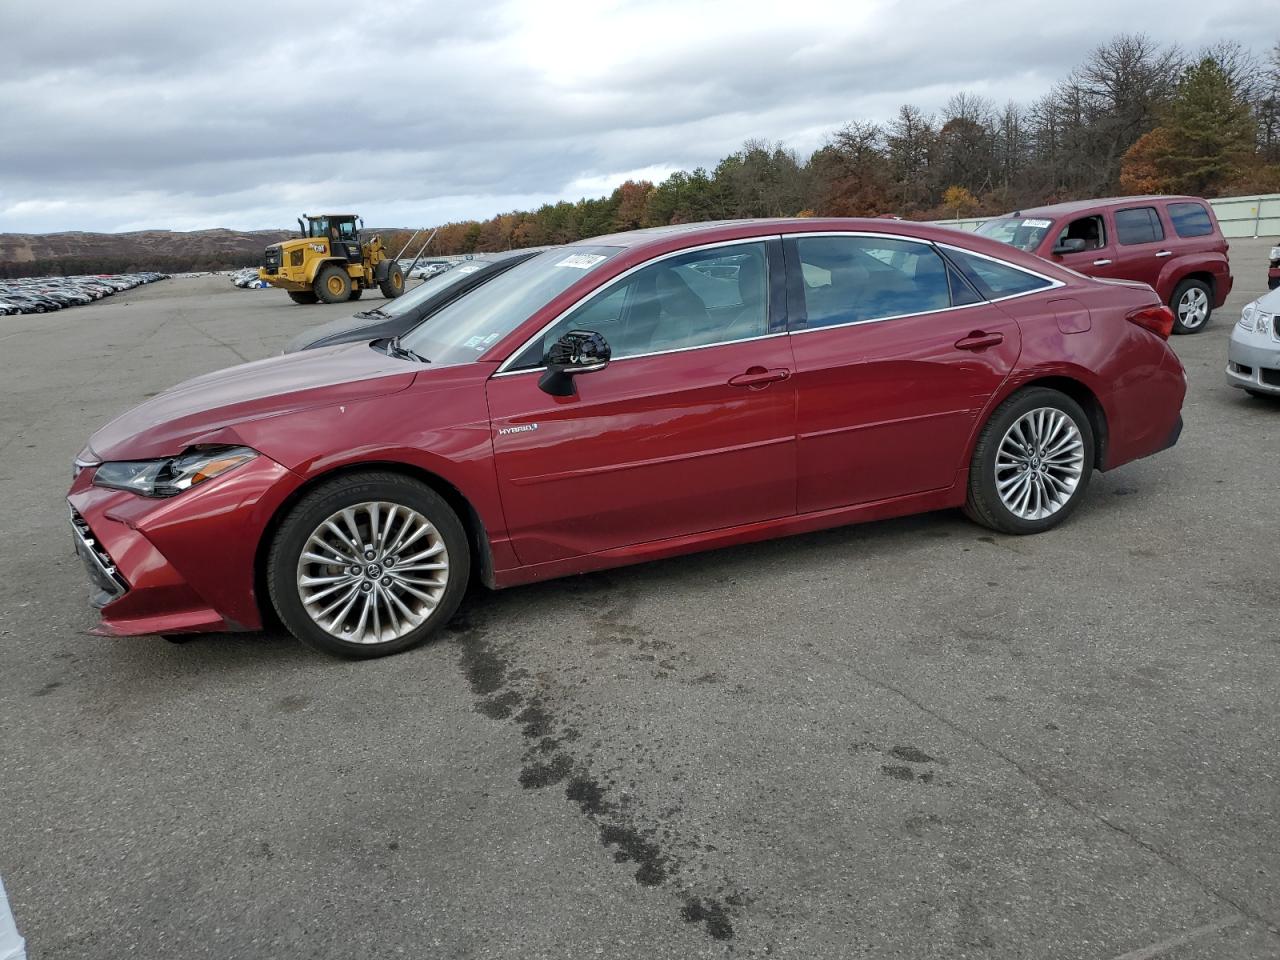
1173, 244
617, 400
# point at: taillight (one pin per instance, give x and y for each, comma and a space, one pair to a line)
1159, 320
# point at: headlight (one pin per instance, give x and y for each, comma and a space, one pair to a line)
172, 475
1246, 316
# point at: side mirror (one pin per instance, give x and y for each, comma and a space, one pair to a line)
1069, 245
578, 351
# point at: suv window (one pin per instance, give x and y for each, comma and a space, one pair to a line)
1190, 220
995, 279
854, 279
1088, 229
692, 300
1138, 225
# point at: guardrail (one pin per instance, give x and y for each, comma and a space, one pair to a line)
1256, 216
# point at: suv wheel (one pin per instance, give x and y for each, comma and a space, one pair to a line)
1192, 305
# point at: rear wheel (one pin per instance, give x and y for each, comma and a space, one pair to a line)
393, 284
1032, 463
1192, 305
332, 285
368, 565
303, 296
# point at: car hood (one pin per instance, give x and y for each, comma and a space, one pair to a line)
208, 408
348, 330
1269, 302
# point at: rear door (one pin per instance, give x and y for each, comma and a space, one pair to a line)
690, 427
895, 353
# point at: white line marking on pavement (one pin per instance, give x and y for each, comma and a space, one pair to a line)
1156, 949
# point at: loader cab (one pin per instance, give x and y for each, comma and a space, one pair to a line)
342, 232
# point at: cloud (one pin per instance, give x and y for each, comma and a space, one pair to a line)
143, 113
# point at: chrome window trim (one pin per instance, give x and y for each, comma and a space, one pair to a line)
503, 370
1053, 284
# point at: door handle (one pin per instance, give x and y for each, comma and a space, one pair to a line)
759, 377
1164, 253
1101, 263
979, 341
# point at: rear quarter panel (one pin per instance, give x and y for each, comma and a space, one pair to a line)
1135, 376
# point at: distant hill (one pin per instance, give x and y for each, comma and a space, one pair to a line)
169, 251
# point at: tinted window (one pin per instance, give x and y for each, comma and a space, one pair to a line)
994, 279
853, 279
692, 300
1139, 225
1190, 220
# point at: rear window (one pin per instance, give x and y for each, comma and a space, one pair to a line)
1138, 225
995, 279
1190, 220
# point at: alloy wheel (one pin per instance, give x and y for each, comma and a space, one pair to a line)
1193, 307
1039, 463
372, 572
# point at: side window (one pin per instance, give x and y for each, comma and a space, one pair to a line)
1190, 220
348, 228
854, 279
995, 279
1088, 229
1138, 225
692, 300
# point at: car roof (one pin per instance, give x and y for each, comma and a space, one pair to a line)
651, 241
1079, 206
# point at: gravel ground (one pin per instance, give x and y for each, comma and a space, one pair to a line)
905, 739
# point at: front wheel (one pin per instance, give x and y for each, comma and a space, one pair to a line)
1032, 463
303, 296
1192, 305
392, 285
368, 565
332, 285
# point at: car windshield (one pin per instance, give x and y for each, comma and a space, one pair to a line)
464, 329
429, 288
1025, 233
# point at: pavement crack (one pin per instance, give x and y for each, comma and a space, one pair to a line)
651, 845
1078, 806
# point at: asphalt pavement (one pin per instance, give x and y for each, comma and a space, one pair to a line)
913, 738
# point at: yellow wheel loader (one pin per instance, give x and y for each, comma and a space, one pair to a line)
330, 264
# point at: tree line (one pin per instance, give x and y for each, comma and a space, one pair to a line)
1135, 117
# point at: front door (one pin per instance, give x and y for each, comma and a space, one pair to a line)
895, 355
690, 428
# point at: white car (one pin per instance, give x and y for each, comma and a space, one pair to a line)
1253, 357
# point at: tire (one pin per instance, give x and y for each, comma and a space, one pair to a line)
443, 541
332, 285
303, 296
1192, 306
1260, 395
999, 443
392, 285
356, 292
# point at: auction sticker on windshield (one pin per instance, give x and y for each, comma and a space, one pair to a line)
1037, 223
582, 261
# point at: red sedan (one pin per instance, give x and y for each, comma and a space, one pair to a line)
622, 399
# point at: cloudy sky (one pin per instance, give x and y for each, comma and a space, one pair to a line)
137, 114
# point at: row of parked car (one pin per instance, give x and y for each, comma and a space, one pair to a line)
44, 294
247, 278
